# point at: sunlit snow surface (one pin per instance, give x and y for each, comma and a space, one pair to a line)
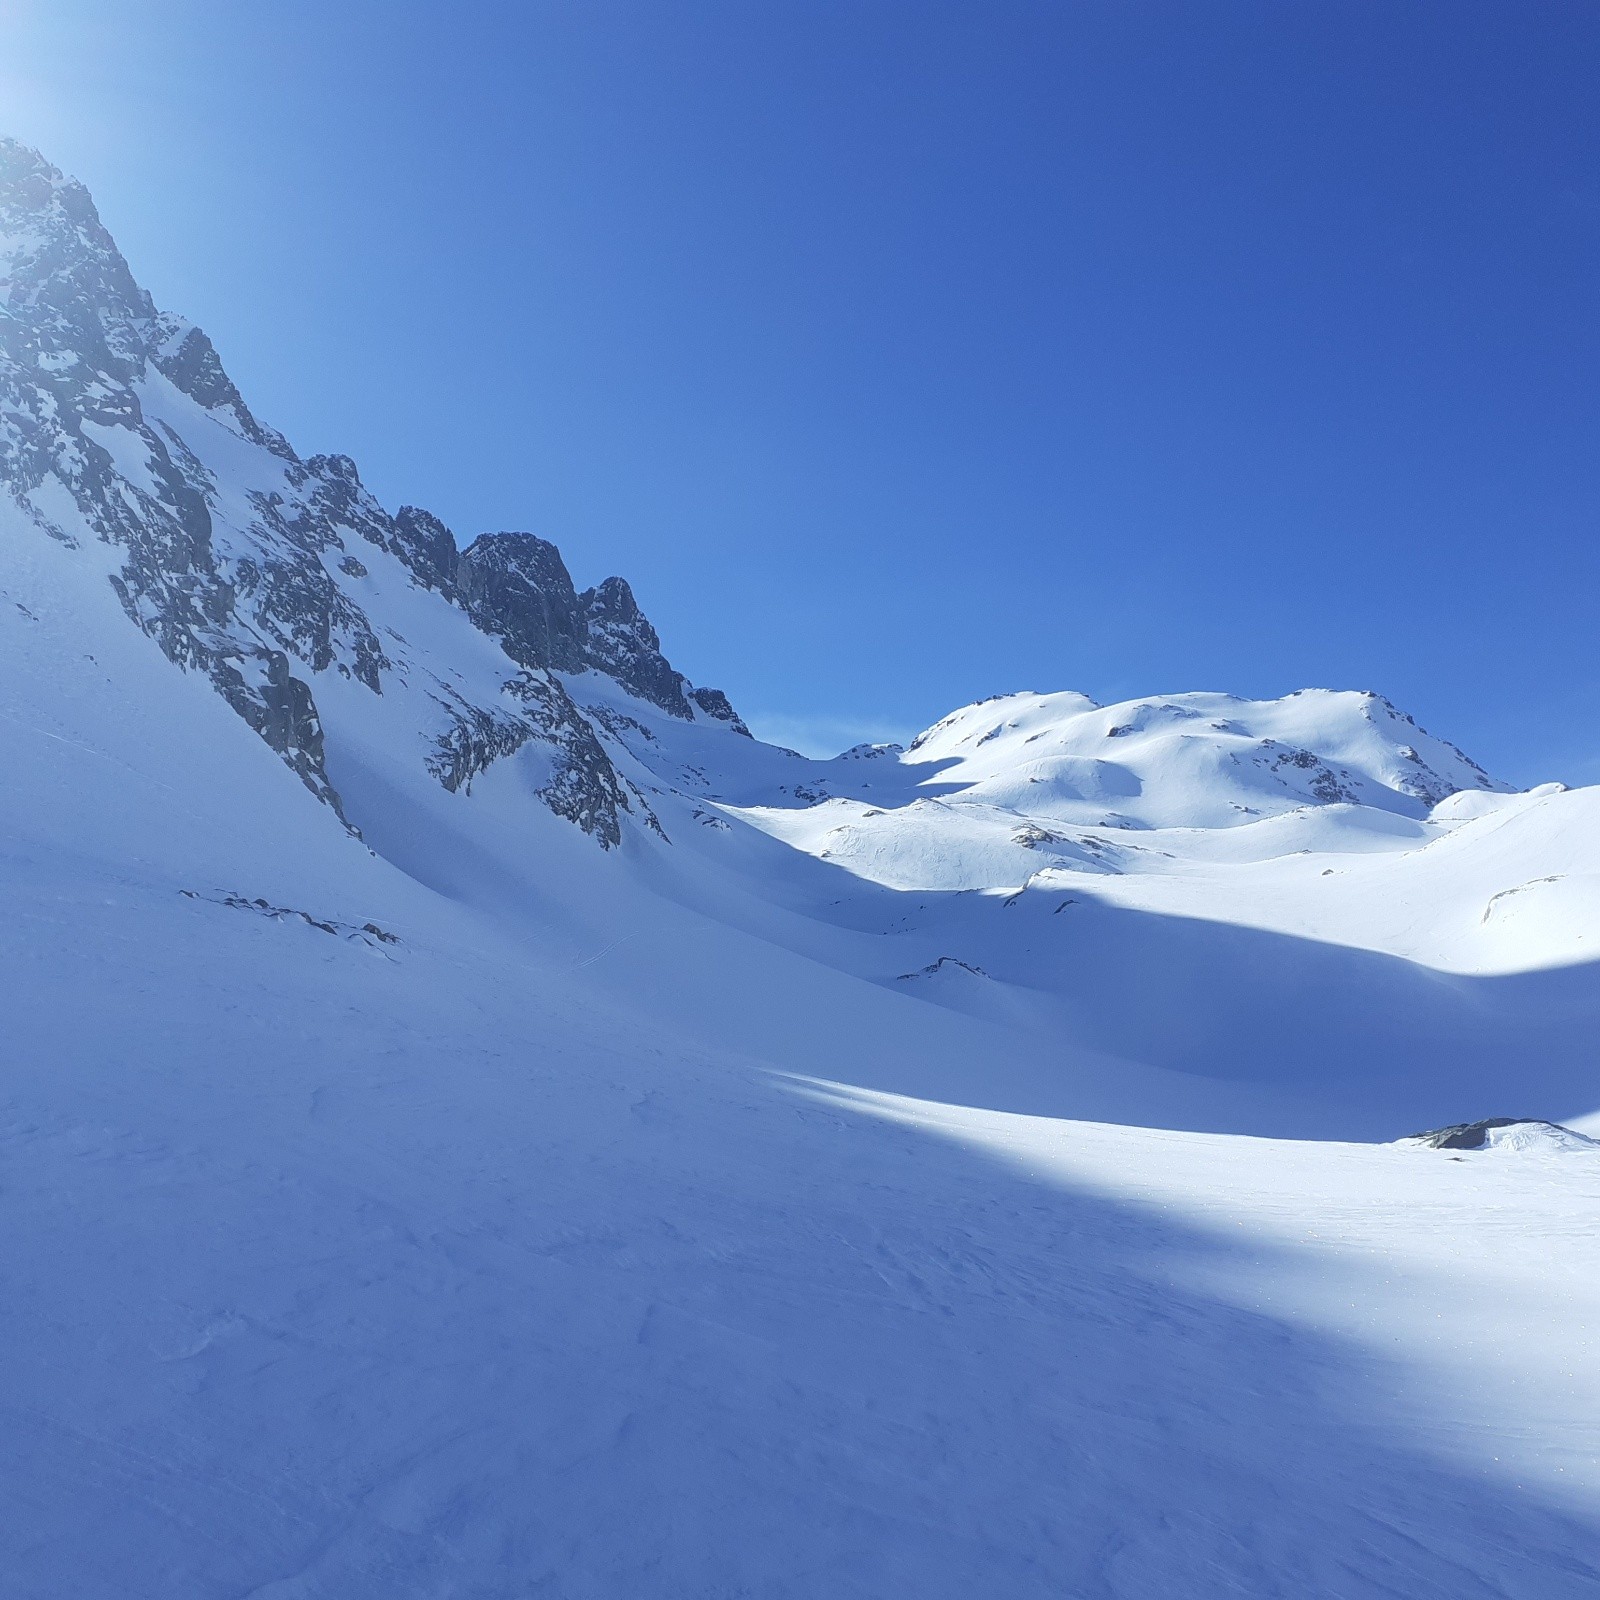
532, 1220
972, 1170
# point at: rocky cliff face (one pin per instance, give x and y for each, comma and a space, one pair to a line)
516, 587
272, 575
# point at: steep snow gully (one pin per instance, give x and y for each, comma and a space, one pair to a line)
476, 1122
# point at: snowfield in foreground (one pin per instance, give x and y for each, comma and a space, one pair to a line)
554, 1237
474, 1122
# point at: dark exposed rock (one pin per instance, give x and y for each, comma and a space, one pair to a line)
71, 289
1464, 1135
427, 547
716, 704
1324, 784
1475, 1135
281, 710
366, 932
291, 596
186, 357
516, 587
622, 644
944, 963
581, 785
474, 738
76, 334
1423, 783
1033, 837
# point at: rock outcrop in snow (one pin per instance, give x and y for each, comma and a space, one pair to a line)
1506, 1134
516, 587
120, 430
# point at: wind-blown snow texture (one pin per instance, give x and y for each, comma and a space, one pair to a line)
475, 1122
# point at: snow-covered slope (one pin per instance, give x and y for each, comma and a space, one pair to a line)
1149, 879
1193, 760
1395, 964
1221, 809
366, 1240
476, 1122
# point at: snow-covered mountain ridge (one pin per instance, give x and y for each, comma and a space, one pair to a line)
279, 578
372, 654
275, 576
1198, 760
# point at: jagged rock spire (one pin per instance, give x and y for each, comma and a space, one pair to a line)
517, 587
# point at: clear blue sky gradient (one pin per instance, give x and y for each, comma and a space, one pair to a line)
901, 354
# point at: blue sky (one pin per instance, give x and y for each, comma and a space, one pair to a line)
901, 354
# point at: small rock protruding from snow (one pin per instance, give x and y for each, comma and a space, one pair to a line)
1504, 1133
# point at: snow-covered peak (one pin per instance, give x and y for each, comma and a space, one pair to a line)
363, 1195
378, 660
975, 724
1192, 760
74, 318
878, 751
1166, 792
